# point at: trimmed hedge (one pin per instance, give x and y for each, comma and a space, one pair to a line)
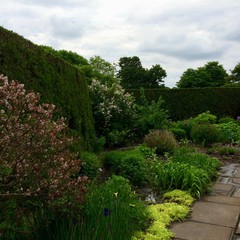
57, 81
185, 103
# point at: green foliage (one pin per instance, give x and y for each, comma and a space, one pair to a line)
57, 81
211, 75
186, 170
150, 115
113, 111
205, 134
134, 167
226, 120
186, 103
133, 75
113, 209
176, 175
196, 159
179, 133
178, 196
163, 214
230, 132
90, 165
234, 77
162, 140
228, 151
204, 118
130, 164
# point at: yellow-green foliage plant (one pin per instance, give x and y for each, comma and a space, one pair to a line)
175, 208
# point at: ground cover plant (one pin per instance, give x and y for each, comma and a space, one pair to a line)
176, 207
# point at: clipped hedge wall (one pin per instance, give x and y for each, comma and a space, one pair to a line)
57, 81
186, 103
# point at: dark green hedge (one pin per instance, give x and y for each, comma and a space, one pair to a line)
58, 82
186, 103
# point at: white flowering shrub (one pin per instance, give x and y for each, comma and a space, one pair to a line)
113, 108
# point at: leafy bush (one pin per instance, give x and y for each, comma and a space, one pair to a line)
200, 160
37, 169
134, 168
185, 125
90, 165
205, 134
205, 118
113, 110
162, 140
130, 164
176, 175
150, 115
179, 133
226, 120
113, 209
230, 132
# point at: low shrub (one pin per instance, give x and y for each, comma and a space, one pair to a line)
205, 118
134, 168
200, 160
226, 120
90, 165
230, 132
176, 175
162, 140
163, 214
179, 133
228, 151
205, 134
113, 211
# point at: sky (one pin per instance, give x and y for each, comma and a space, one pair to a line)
177, 34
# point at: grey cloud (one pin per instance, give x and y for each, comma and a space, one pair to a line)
66, 28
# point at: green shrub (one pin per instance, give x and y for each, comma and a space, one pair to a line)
90, 165
230, 132
226, 120
176, 175
150, 115
179, 133
134, 168
113, 159
205, 134
113, 211
162, 140
185, 125
228, 151
205, 118
200, 160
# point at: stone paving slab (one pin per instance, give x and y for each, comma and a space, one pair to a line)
223, 188
215, 213
200, 231
222, 199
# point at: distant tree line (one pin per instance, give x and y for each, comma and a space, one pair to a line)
130, 73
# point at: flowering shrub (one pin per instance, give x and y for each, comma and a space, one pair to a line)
113, 108
35, 161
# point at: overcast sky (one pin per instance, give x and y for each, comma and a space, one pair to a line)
177, 34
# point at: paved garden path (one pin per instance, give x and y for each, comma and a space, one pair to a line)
215, 216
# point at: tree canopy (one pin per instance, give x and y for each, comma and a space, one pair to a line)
211, 74
234, 77
133, 75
